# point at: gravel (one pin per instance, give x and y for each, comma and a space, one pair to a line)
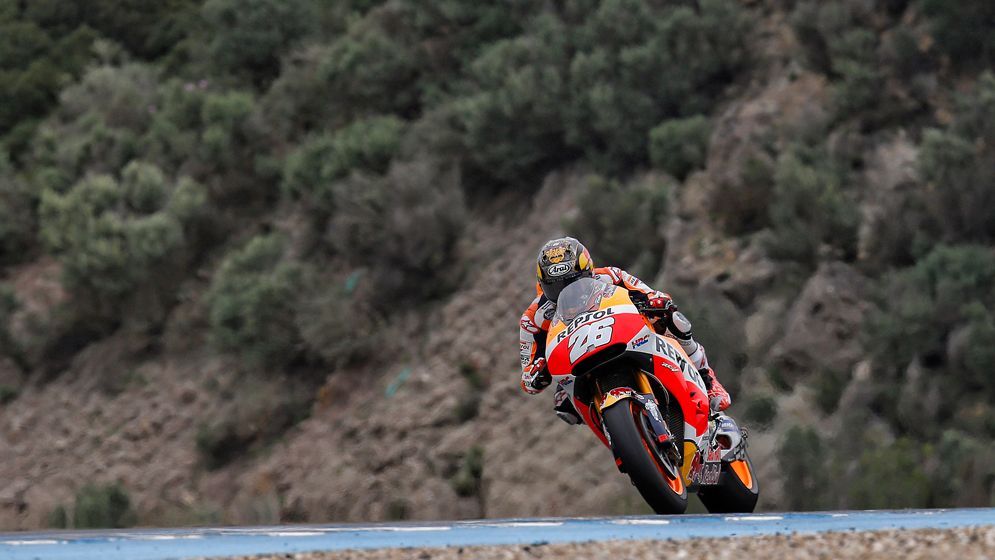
966, 543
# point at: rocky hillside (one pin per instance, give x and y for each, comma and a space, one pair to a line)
263, 261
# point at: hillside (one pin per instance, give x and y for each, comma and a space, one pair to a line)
263, 260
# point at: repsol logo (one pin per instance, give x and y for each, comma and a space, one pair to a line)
668, 351
581, 319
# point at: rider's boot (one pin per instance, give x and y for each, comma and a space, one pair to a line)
563, 406
680, 328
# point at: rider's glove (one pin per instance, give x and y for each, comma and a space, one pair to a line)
662, 303
536, 377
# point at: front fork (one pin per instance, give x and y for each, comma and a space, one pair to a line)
643, 395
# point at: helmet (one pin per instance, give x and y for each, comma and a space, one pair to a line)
560, 262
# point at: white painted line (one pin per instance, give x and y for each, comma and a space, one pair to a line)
840, 515
295, 534
163, 537
525, 524
641, 522
754, 518
404, 529
25, 543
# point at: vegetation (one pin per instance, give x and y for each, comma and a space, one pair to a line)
304, 173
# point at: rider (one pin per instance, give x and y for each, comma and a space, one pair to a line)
552, 277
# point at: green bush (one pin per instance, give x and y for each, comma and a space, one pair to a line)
810, 210
17, 215
512, 118
251, 302
890, 477
760, 410
467, 480
623, 222
248, 36
366, 145
679, 146
956, 164
103, 506
336, 322
114, 238
964, 30
404, 228
804, 463
638, 65
919, 306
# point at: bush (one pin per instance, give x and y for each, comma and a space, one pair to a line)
919, 306
251, 303
760, 410
804, 464
467, 480
103, 506
248, 36
337, 323
404, 228
115, 239
890, 477
964, 30
637, 66
809, 210
679, 146
17, 216
366, 145
512, 118
622, 223
956, 164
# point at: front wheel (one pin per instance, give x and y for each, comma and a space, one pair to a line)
632, 442
736, 492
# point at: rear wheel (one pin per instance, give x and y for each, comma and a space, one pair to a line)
736, 492
642, 460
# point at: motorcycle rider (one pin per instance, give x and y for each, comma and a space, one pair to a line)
537, 319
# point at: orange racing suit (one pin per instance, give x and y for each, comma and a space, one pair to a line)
538, 318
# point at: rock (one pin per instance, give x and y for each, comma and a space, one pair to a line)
822, 326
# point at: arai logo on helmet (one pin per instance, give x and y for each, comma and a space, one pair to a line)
558, 269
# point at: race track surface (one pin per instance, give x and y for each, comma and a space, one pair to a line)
162, 544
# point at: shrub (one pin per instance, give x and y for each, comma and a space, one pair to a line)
403, 227
623, 222
251, 302
637, 66
679, 146
366, 145
248, 36
17, 215
760, 410
103, 506
372, 68
890, 477
114, 238
467, 480
809, 209
337, 324
956, 164
964, 30
803, 460
919, 306
512, 118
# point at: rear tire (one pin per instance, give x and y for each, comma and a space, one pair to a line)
640, 463
732, 495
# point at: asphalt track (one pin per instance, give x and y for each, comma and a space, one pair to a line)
162, 544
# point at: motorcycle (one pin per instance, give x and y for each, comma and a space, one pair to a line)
638, 392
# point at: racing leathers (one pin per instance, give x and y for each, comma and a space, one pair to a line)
537, 319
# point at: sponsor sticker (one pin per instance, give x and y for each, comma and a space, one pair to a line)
529, 326
640, 341
558, 269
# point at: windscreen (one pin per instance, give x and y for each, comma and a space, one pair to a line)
581, 295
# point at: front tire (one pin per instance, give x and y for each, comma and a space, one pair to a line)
664, 493
736, 492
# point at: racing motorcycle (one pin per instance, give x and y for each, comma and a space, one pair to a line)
638, 392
